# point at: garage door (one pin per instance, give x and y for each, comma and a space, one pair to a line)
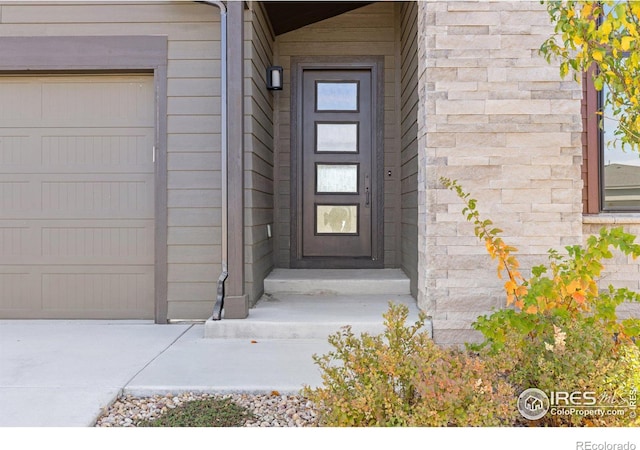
76, 197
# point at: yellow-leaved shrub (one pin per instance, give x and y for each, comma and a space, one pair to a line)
402, 378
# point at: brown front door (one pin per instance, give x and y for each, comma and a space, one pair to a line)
336, 171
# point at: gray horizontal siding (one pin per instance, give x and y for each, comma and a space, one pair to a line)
408, 140
259, 156
193, 88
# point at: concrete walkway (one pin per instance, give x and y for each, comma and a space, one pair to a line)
63, 373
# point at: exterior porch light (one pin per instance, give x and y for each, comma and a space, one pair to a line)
274, 78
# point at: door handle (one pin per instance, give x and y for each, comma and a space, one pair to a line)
367, 194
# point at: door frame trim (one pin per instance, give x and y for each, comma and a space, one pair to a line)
110, 54
376, 65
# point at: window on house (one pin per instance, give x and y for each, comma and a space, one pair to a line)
611, 173
620, 169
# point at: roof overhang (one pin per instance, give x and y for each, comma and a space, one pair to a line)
289, 16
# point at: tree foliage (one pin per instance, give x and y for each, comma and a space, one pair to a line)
561, 331
566, 287
605, 34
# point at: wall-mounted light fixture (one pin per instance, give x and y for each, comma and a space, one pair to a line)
274, 78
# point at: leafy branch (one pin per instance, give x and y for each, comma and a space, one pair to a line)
568, 287
507, 263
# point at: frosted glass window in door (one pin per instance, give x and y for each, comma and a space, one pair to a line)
336, 219
337, 137
337, 178
337, 96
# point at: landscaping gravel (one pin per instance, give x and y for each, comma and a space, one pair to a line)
273, 410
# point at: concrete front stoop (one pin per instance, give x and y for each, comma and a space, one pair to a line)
312, 304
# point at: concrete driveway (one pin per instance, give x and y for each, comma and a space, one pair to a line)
64, 373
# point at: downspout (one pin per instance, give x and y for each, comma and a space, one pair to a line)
217, 309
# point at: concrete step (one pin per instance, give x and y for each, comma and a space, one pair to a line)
337, 282
295, 316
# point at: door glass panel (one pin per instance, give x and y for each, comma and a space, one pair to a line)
337, 137
337, 178
337, 96
337, 219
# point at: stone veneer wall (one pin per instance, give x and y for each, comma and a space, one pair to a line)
621, 271
495, 116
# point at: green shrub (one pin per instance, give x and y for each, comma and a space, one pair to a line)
401, 378
624, 382
560, 331
213, 412
570, 355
